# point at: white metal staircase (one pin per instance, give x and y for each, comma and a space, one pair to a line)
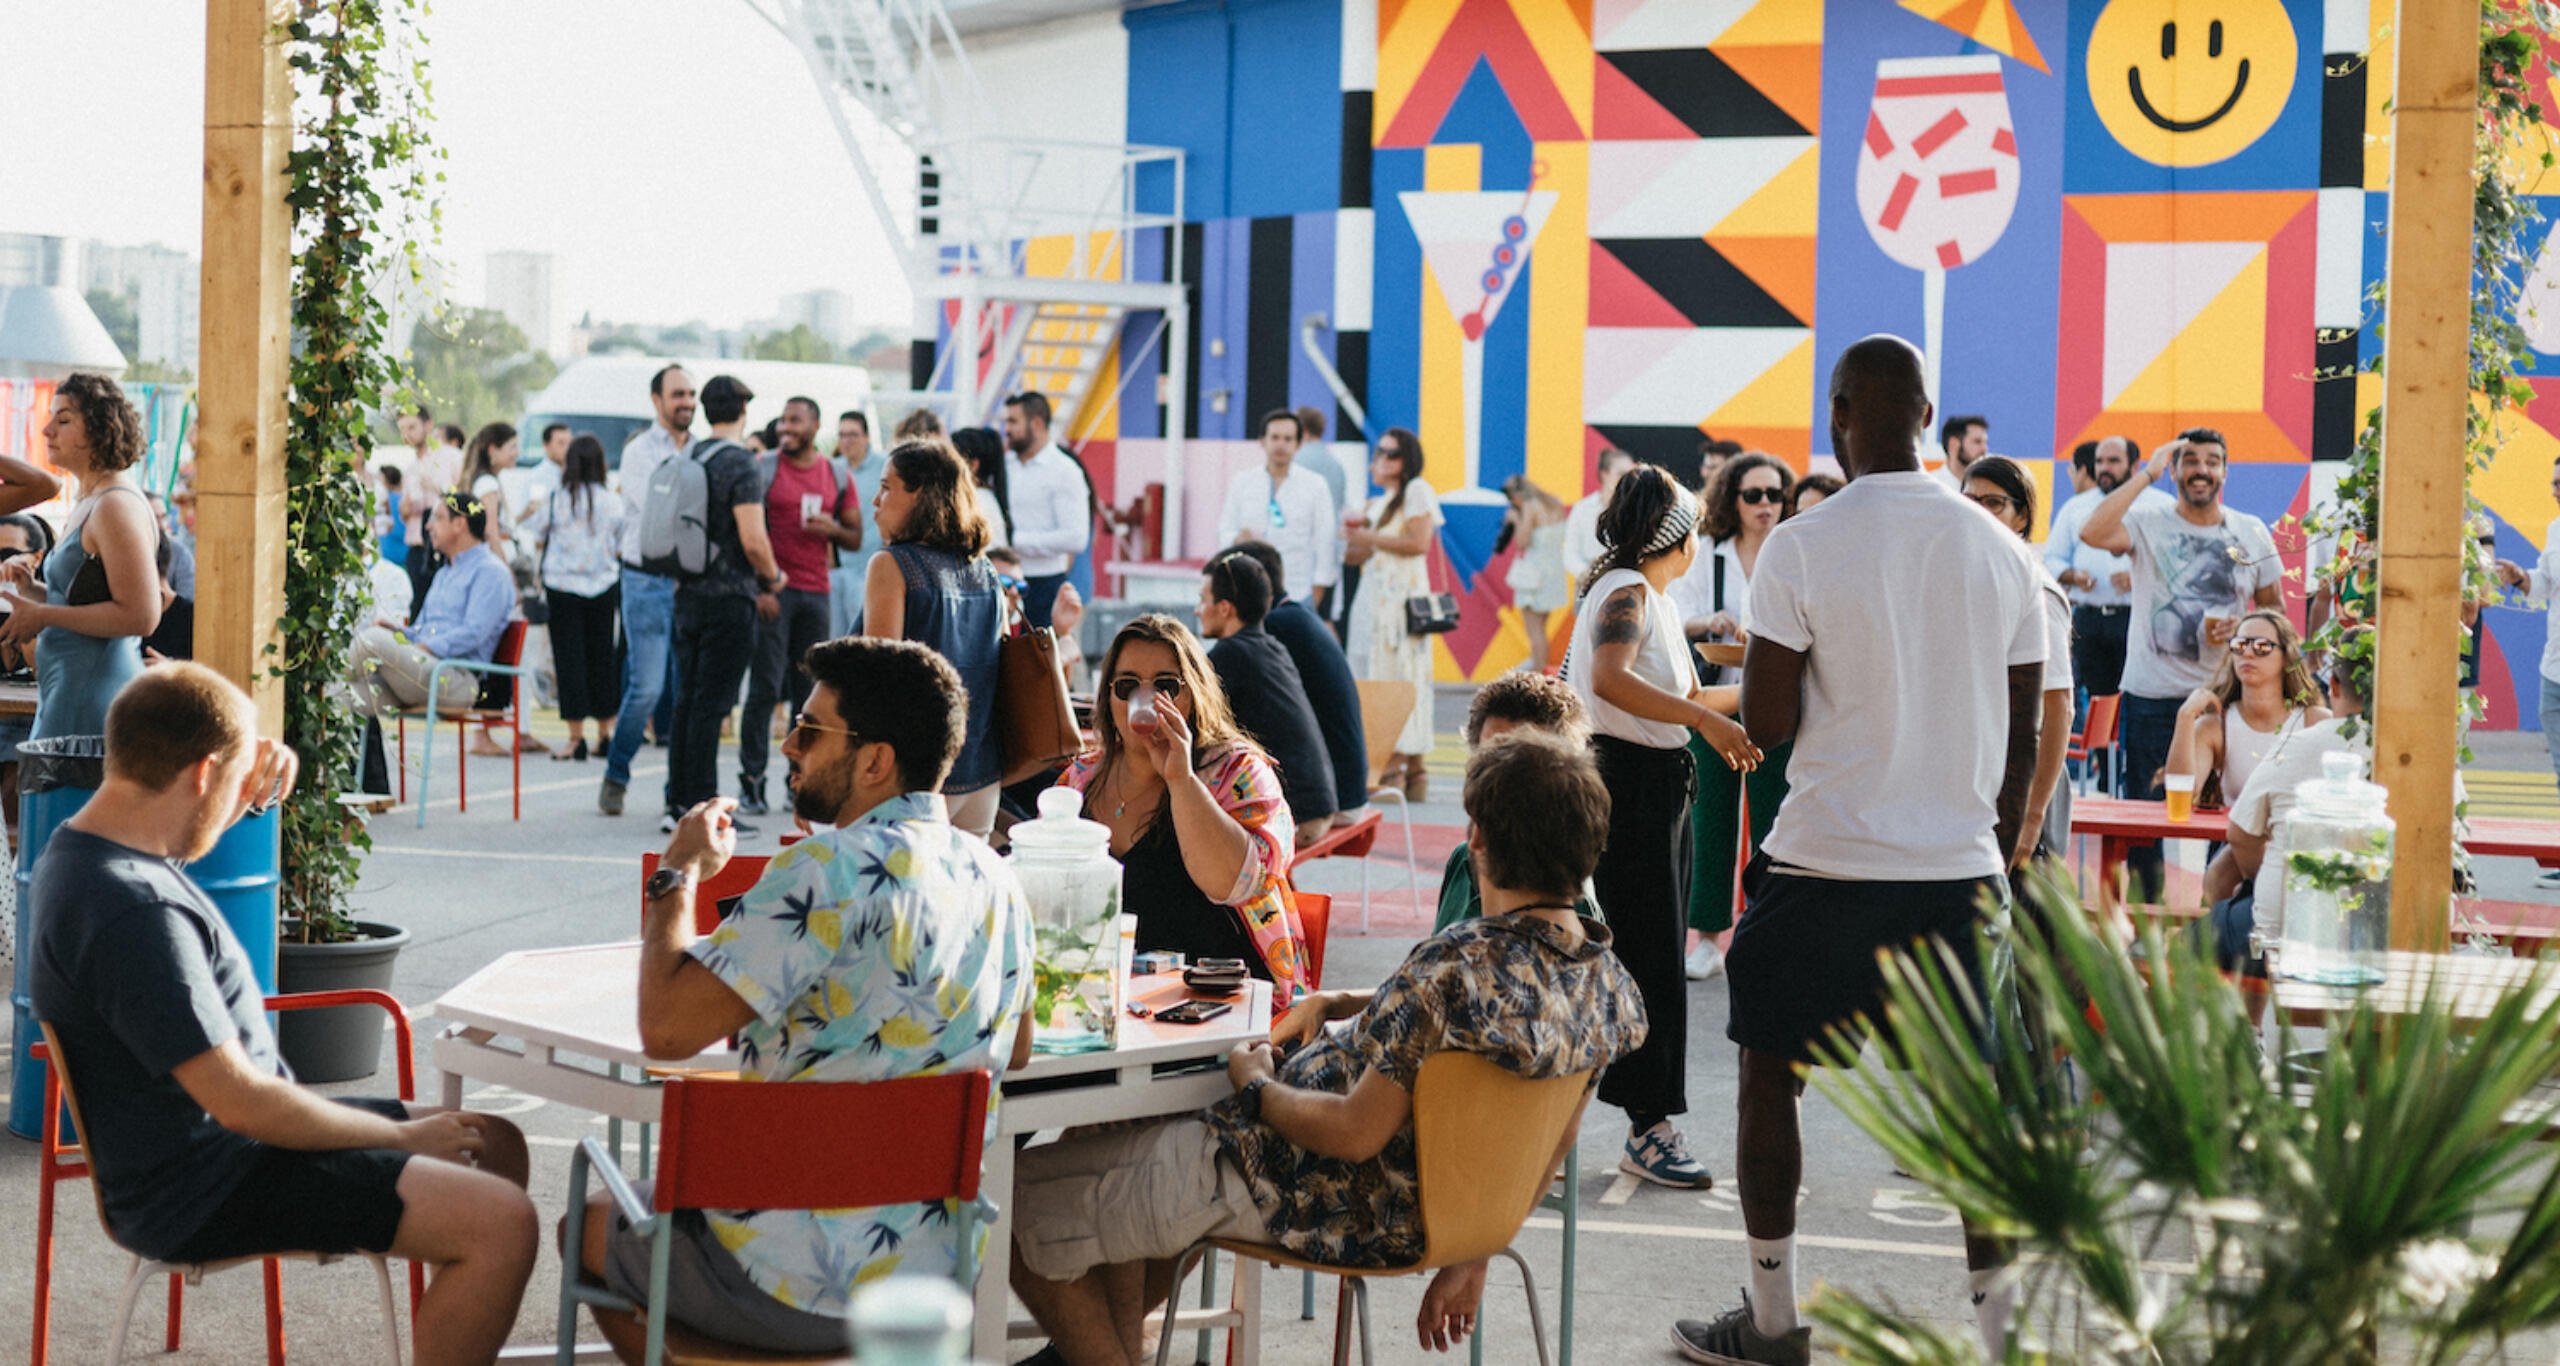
984, 252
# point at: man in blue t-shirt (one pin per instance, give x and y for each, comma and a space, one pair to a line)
203, 1147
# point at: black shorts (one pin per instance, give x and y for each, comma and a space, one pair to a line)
1803, 960
342, 1200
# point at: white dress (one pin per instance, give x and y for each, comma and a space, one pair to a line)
1381, 649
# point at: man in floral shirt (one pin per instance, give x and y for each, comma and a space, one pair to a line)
1315, 1151
890, 945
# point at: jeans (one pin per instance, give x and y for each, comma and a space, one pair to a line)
776, 677
2145, 726
648, 629
2551, 722
715, 635
1039, 595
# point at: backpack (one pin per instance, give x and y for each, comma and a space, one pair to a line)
675, 516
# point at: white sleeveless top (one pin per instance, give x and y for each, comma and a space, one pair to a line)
2244, 747
1662, 659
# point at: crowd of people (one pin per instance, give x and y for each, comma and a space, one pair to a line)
1890, 747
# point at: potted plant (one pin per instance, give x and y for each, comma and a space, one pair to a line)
360, 145
2199, 1199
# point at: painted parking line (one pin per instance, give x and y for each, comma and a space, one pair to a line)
507, 857
530, 789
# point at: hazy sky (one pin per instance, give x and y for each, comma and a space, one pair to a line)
673, 154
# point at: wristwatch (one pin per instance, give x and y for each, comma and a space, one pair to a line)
667, 882
1252, 1094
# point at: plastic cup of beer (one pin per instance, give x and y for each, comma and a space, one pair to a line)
2219, 627
2182, 796
809, 504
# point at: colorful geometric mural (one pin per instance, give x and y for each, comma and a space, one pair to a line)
1565, 225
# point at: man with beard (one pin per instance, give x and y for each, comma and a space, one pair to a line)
888, 944
2197, 566
809, 512
2100, 581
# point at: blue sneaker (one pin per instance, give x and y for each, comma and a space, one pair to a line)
1661, 1155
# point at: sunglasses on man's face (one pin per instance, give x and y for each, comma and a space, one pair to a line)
806, 729
1126, 685
2256, 647
1757, 496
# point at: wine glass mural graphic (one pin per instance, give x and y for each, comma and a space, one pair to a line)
1477, 244
1937, 174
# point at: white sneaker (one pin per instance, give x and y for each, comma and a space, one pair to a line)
1707, 960
2549, 881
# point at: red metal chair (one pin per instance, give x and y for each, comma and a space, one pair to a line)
744, 1145
2098, 732
507, 663
59, 1161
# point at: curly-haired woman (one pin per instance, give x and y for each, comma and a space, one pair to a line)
101, 587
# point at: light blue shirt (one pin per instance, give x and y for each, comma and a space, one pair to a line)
2065, 551
866, 487
897, 946
467, 607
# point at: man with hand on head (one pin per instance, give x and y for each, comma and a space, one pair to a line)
203, 1148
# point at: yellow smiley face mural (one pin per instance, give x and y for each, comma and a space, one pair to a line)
2190, 82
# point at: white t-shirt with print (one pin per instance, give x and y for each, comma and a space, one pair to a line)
2181, 572
1910, 606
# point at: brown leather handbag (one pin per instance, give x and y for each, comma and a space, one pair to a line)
1035, 721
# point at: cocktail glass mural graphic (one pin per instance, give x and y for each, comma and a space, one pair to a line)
1477, 244
1937, 173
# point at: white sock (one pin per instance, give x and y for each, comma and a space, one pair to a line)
1994, 1292
1773, 1285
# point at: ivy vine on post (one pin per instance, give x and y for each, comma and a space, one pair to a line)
2511, 69
363, 173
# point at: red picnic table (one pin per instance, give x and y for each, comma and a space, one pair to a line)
2119, 823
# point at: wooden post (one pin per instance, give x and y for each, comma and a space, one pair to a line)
240, 392
2426, 397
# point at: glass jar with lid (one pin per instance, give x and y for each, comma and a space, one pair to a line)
2335, 920
1073, 884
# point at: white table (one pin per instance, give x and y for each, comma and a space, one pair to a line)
1098, 1088
563, 1024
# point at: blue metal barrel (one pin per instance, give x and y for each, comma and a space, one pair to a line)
55, 779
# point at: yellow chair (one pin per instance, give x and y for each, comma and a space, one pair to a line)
1475, 1190
1384, 708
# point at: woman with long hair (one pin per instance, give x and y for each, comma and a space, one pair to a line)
578, 527
1196, 814
984, 452
1537, 578
2000, 486
932, 584
1745, 500
101, 583
493, 448
2260, 693
1392, 544
1630, 664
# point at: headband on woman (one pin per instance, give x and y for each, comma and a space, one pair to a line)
1677, 523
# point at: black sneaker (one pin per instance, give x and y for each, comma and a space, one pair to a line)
1732, 1340
609, 797
751, 800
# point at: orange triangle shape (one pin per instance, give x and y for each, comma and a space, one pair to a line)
1784, 266
1790, 76
1388, 12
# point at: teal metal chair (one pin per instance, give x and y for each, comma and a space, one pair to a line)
746, 1145
506, 662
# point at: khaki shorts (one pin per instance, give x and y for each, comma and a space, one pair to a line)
1127, 1194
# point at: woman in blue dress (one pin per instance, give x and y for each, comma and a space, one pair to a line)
101, 587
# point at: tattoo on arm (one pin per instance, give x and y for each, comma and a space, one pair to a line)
1621, 618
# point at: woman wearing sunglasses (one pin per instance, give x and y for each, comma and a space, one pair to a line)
2261, 693
1196, 814
933, 584
1745, 500
2000, 486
